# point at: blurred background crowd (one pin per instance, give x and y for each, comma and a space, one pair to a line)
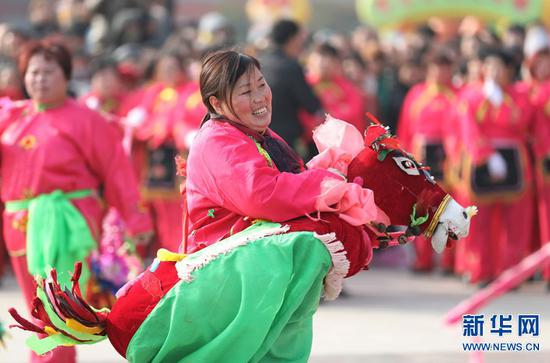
466, 90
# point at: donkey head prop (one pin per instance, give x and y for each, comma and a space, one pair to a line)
403, 188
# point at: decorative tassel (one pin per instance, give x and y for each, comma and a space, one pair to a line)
373, 119
66, 317
382, 155
181, 166
24, 323
340, 265
417, 221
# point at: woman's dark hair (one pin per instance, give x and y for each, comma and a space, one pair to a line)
219, 74
51, 50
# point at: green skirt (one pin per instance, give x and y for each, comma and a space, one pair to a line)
245, 299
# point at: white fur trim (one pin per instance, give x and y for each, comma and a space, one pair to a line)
333, 281
191, 263
340, 265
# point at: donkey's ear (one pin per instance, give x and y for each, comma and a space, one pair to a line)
439, 238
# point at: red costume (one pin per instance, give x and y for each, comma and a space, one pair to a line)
67, 148
189, 113
540, 97
154, 152
426, 128
339, 98
500, 236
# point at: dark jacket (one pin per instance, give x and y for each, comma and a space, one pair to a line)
291, 93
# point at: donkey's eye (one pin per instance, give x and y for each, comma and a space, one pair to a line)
464, 215
407, 165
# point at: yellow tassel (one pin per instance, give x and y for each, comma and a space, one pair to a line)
164, 255
259, 220
50, 331
73, 324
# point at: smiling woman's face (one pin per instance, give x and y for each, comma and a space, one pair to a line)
251, 100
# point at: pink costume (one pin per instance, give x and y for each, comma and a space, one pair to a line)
154, 152
232, 181
340, 98
501, 235
67, 148
189, 113
426, 127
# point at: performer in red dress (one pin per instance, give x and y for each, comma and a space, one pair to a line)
537, 62
496, 122
11, 89
56, 156
155, 148
189, 110
107, 89
339, 96
426, 127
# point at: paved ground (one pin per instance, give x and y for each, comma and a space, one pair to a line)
389, 316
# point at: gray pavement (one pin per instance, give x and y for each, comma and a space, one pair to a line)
388, 316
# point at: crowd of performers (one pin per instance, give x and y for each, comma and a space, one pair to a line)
257, 218
487, 141
483, 131
473, 107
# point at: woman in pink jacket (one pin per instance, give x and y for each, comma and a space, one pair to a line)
59, 160
155, 147
239, 170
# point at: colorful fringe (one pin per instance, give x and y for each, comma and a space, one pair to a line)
63, 316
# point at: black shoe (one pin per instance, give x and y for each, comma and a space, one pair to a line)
447, 272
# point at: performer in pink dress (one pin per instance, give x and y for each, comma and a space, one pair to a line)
426, 127
11, 89
59, 161
107, 89
189, 110
496, 123
154, 149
